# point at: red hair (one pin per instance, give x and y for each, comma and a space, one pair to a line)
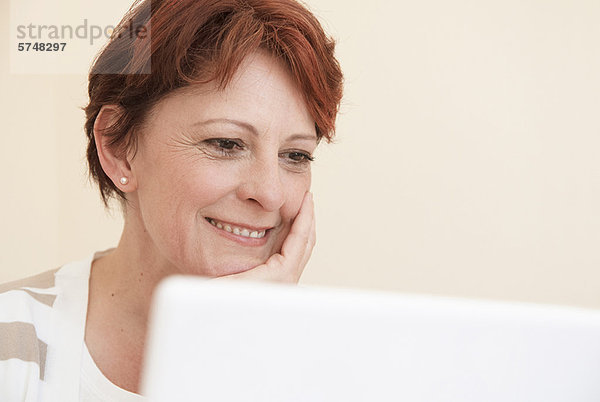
184, 42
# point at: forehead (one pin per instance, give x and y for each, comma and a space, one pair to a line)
261, 93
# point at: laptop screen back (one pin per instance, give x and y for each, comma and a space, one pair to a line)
232, 341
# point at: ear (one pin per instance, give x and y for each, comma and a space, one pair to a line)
114, 163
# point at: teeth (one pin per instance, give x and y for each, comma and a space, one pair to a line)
239, 231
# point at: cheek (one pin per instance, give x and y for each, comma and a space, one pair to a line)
295, 189
179, 191
295, 186
207, 185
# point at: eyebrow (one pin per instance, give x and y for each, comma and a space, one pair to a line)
252, 129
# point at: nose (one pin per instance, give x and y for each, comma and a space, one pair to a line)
262, 183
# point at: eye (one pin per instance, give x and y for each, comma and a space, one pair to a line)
298, 157
226, 143
301, 156
225, 146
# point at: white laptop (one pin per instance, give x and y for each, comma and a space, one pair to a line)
236, 341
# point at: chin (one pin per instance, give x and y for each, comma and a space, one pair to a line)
234, 267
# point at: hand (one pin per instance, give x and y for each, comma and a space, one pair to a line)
288, 265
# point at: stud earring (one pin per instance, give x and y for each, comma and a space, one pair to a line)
124, 180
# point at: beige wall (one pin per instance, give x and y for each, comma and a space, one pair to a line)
466, 162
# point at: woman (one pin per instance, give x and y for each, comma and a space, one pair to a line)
203, 125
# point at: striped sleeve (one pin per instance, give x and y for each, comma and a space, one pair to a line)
25, 324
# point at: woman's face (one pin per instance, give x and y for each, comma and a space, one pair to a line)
221, 174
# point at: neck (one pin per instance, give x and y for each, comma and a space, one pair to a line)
122, 283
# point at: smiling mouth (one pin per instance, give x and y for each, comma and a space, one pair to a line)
238, 230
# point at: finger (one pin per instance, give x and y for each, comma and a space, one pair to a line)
295, 245
312, 239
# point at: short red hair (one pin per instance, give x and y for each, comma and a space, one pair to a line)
184, 42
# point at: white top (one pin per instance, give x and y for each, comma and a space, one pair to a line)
43, 356
95, 387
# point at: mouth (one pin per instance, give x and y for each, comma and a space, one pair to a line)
239, 230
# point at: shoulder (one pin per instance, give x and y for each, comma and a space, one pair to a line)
32, 286
33, 300
23, 305
37, 315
